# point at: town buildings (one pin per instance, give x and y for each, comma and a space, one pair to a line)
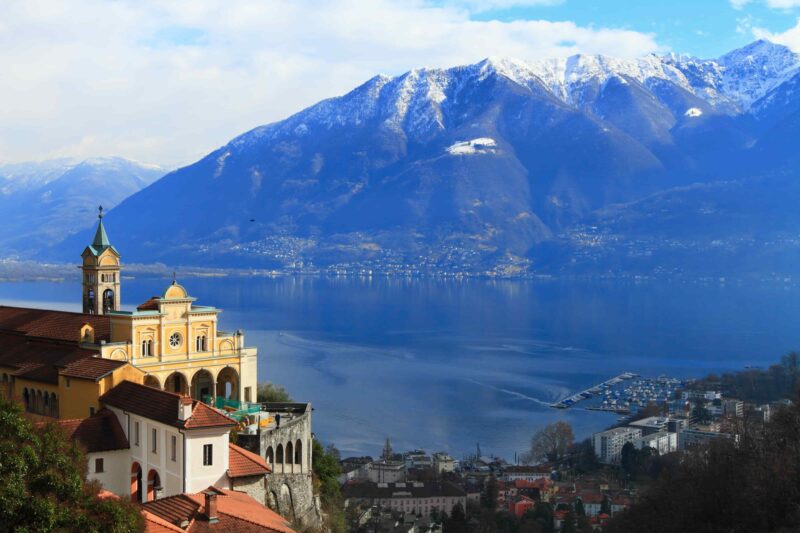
608, 444
412, 497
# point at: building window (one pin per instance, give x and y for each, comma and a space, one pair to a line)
175, 340
98, 465
147, 348
207, 455
174, 450
136, 433
200, 344
67, 383
247, 397
154, 446
91, 411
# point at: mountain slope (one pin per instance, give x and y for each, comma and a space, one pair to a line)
42, 203
471, 167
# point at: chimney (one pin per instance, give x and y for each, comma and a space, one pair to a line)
185, 408
211, 506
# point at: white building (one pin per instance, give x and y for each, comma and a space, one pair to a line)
384, 471
442, 463
663, 442
176, 445
524, 473
608, 444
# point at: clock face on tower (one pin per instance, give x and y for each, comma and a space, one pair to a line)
175, 340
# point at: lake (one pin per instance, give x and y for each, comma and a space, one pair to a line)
445, 364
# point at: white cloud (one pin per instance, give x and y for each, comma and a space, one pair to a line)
170, 81
783, 4
739, 4
481, 6
790, 37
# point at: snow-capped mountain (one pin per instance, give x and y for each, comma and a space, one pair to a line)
43, 202
495, 159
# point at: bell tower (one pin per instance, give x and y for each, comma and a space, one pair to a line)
101, 273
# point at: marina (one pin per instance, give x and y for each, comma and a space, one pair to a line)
624, 394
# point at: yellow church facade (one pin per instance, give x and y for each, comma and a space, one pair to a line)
174, 341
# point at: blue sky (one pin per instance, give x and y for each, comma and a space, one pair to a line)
167, 82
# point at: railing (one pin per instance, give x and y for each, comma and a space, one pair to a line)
235, 408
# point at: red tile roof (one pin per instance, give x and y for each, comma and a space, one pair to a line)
93, 368
38, 359
149, 305
243, 463
46, 323
162, 406
98, 433
236, 511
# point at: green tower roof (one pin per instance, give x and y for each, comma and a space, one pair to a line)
100, 242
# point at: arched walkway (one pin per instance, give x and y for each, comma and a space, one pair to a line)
202, 385
151, 381
286, 501
298, 455
270, 457
136, 482
153, 485
279, 458
228, 384
176, 382
289, 458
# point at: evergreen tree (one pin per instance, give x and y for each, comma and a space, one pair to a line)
605, 506
579, 510
457, 521
44, 485
492, 491
387, 453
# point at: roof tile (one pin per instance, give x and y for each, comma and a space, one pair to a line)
243, 463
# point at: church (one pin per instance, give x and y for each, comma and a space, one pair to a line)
59, 363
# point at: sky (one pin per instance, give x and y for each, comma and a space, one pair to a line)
168, 82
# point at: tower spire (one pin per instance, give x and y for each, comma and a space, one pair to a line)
100, 236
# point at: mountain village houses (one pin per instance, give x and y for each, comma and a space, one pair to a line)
152, 395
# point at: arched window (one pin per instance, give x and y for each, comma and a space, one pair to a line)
26, 398
270, 456
279, 454
200, 343
147, 348
289, 453
108, 300
298, 452
90, 300
53, 405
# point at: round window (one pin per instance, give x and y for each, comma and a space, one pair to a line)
175, 340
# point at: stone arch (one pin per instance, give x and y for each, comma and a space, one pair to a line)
119, 354
272, 501
26, 399
153, 485
38, 403
228, 383
279, 457
136, 482
176, 382
298, 454
270, 457
289, 456
286, 501
202, 385
152, 381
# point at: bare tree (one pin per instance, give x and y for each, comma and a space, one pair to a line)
550, 443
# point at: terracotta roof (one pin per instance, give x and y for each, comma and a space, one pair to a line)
93, 368
162, 406
149, 305
38, 372
243, 463
98, 433
204, 416
236, 511
49, 324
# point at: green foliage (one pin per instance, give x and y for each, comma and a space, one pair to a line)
326, 473
44, 484
542, 516
268, 392
492, 491
582, 458
605, 505
758, 386
579, 510
570, 524
456, 522
736, 487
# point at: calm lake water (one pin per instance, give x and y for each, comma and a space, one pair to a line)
447, 364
